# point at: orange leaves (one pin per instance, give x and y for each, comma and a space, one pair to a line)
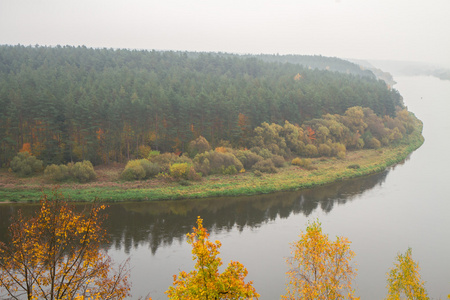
205, 282
311, 133
56, 255
298, 77
26, 147
221, 150
320, 268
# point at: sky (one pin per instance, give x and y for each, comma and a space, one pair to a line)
406, 30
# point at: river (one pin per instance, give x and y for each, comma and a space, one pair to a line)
407, 205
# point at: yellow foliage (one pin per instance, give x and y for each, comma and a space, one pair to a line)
56, 255
320, 268
179, 170
404, 279
206, 282
221, 149
297, 161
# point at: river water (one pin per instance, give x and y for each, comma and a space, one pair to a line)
382, 215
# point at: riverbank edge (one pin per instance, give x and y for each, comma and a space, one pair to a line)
288, 179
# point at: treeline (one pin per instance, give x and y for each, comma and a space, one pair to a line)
74, 103
332, 64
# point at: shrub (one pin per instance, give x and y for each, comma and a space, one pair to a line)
230, 170
311, 150
25, 164
265, 153
133, 171
296, 161
83, 171
198, 146
341, 155
336, 148
248, 158
151, 169
278, 161
139, 169
265, 166
304, 163
324, 150
193, 175
165, 160
179, 170
373, 143
57, 173
212, 162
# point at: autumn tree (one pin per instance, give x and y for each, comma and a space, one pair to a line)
404, 279
320, 268
56, 255
206, 282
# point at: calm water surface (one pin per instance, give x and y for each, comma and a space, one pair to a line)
405, 206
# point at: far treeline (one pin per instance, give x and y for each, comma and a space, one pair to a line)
68, 104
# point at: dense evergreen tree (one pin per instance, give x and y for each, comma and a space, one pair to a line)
76, 103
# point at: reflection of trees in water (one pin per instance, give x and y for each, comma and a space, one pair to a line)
163, 222
160, 223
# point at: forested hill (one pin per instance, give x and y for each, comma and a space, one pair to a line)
333, 64
71, 103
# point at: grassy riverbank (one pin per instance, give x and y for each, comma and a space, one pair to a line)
109, 188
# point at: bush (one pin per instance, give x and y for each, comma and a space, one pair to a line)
139, 169
57, 173
296, 161
212, 162
341, 155
324, 150
230, 170
373, 143
278, 161
198, 146
25, 164
304, 163
133, 171
265, 153
193, 175
336, 148
265, 166
179, 170
248, 158
165, 160
311, 150
83, 171
151, 169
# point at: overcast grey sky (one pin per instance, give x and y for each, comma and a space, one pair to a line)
408, 30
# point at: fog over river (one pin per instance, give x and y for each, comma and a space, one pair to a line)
382, 215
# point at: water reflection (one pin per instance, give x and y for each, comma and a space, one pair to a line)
156, 224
